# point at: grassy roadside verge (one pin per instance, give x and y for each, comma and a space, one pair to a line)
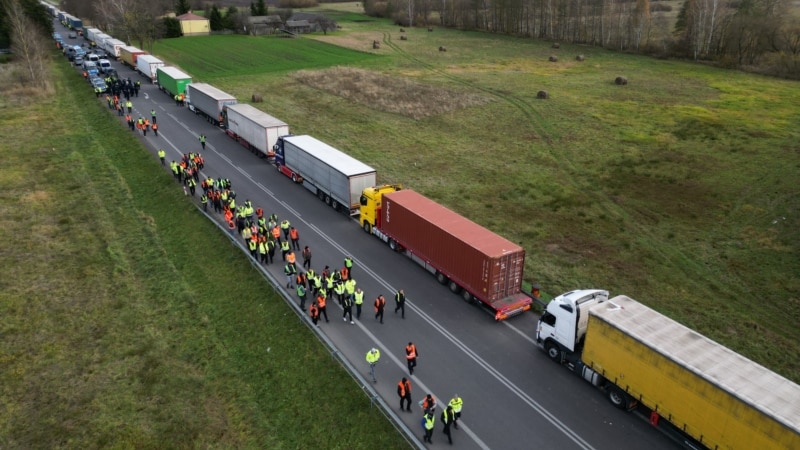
127, 320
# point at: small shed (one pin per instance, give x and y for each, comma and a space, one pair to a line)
194, 25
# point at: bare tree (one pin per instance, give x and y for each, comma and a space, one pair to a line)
28, 44
133, 21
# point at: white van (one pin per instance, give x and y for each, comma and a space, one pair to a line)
105, 65
92, 57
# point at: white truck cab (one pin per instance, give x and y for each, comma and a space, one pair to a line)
562, 326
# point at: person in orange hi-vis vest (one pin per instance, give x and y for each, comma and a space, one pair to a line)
380, 304
411, 357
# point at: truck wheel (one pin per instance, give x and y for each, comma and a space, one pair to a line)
278, 166
553, 351
617, 397
367, 227
335, 205
294, 177
467, 296
441, 278
327, 199
393, 244
321, 195
454, 287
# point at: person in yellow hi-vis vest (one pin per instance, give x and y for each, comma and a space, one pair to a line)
372, 358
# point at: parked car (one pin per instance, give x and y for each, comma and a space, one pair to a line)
99, 85
91, 68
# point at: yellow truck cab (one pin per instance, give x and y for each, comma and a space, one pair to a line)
369, 213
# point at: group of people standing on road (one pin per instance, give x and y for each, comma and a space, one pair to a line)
263, 235
449, 415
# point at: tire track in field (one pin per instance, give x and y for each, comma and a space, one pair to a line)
689, 264
534, 117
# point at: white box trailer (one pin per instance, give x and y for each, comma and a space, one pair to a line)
208, 101
112, 46
100, 39
147, 65
90, 34
254, 128
335, 177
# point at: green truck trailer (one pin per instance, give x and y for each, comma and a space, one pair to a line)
172, 81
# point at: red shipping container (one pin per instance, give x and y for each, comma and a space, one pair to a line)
488, 266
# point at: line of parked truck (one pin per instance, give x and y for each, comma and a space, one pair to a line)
688, 385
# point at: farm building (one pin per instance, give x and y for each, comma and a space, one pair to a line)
264, 24
298, 26
194, 25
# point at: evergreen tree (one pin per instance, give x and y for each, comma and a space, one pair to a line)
229, 22
215, 19
182, 7
172, 27
261, 8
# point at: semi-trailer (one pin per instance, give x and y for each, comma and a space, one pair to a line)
473, 261
333, 176
90, 34
75, 24
172, 81
208, 101
147, 65
254, 129
128, 55
706, 393
112, 47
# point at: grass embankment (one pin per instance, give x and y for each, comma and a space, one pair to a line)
679, 189
128, 320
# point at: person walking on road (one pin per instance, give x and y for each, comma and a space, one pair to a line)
203, 141
372, 358
428, 403
404, 391
313, 311
301, 293
411, 357
153, 115
306, 257
322, 301
358, 300
380, 304
348, 262
400, 302
161, 155
290, 272
294, 235
347, 304
448, 418
456, 403
428, 422
155, 129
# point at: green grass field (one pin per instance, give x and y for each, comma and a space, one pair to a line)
127, 319
679, 189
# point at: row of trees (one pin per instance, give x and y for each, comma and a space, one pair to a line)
743, 33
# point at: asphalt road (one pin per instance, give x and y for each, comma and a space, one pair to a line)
514, 397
